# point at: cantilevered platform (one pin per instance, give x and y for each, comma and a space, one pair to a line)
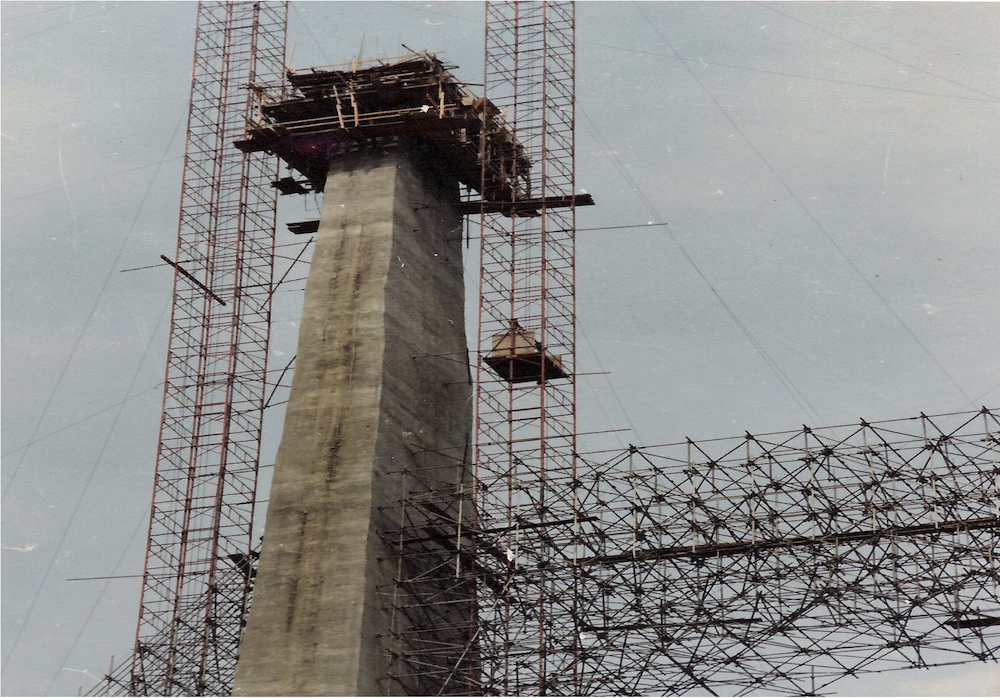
323, 112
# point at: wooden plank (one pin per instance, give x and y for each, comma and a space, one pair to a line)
524, 206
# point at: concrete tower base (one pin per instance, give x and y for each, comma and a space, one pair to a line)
380, 383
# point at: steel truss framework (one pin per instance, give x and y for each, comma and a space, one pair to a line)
778, 562
198, 570
787, 561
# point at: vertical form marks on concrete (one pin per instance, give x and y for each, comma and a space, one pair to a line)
364, 419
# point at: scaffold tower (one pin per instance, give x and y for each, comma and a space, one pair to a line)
198, 570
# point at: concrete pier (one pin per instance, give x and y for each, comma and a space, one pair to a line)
380, 383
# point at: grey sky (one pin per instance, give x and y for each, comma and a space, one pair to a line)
831, 169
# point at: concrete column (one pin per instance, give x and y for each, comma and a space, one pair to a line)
385, 291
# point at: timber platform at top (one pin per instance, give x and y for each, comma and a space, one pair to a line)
317, 114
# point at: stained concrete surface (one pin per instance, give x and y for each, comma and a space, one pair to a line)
380, 378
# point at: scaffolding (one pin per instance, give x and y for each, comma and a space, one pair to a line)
198, 571
316, 114
526, 430
772, 562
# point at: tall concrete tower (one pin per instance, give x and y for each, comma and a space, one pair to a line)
381, 405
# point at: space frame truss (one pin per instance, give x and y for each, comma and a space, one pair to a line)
778, 562
784, 562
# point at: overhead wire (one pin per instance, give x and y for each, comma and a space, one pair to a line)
611, 385
415, 8
867, 386
805, 209
91, 179
32, 14
83, 491
975, 400
92, 416
799, 76
797, 396
875, 51
649, 224
80, 421
18, 39
100, 597
93, 310
309, 31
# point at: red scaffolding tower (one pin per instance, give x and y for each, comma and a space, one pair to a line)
197, 576
526, 415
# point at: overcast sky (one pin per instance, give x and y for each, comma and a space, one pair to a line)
831, 170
